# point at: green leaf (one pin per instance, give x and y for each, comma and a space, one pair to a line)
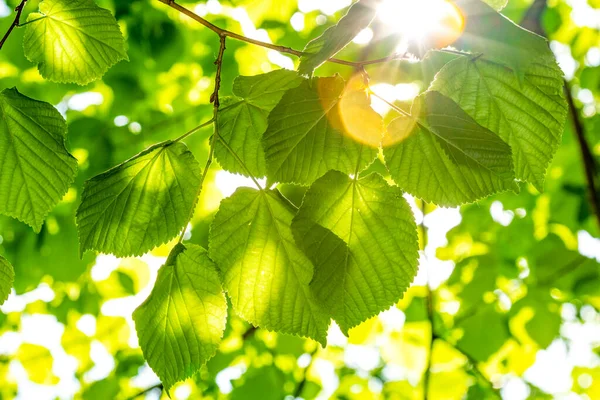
334, 39
141, 203
362, 238
243, 119
444, 157
528, 115
484, 333
73, 41
497, 4
499, 39
263, 271
181, 323
7, 278
544, 325
308, 132
36, 169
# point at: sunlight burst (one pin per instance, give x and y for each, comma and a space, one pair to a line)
438, 22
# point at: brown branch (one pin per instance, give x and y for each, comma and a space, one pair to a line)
430, 310
282, 49
146, 391
214, 98
589, 163
302, 383
532, 21
16, 22
246, 335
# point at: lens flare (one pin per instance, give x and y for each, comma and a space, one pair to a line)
356, 116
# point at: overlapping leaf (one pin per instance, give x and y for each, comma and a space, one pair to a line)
36, 168
7, 277
362, 238
443, 156
308, 132
334, 39
266, 275
498, 39
528, 115
140, 203
73, 41
181, 323
243, 120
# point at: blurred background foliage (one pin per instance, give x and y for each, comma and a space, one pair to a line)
512, 308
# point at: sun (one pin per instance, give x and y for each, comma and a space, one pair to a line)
438, 22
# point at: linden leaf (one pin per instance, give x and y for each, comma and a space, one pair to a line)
141, 203
181, 323
73, 41
37, 169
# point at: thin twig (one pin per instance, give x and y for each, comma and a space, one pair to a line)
392, 105
246, 335
194, 130
282, 49
474, 366
302, 383
238, 159
15, 23
145, 391
589, 163
430, 310
214, 98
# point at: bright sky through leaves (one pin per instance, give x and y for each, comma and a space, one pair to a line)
207, 224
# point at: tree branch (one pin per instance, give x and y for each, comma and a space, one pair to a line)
16, 22
282, 49
430, 312
145, 391
214, 98
589, 163
302, 383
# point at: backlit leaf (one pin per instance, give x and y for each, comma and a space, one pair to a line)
7, 277
498, 39
36, 168
308, 133
528, 115
181, 323
264, 272
141, 203
334, 39
73, 41
443, 156
243, 119
362, 238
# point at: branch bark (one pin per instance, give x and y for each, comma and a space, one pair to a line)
589, 163
532, 21
15, 23
282, 49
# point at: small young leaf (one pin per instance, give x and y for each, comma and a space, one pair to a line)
528, 115
334, 39
36, 168
498, 39
308, 133
444, 157
7, 278
141, 203
362, 238
264, 272
243, 119
73, 41
181, 323
497, 5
